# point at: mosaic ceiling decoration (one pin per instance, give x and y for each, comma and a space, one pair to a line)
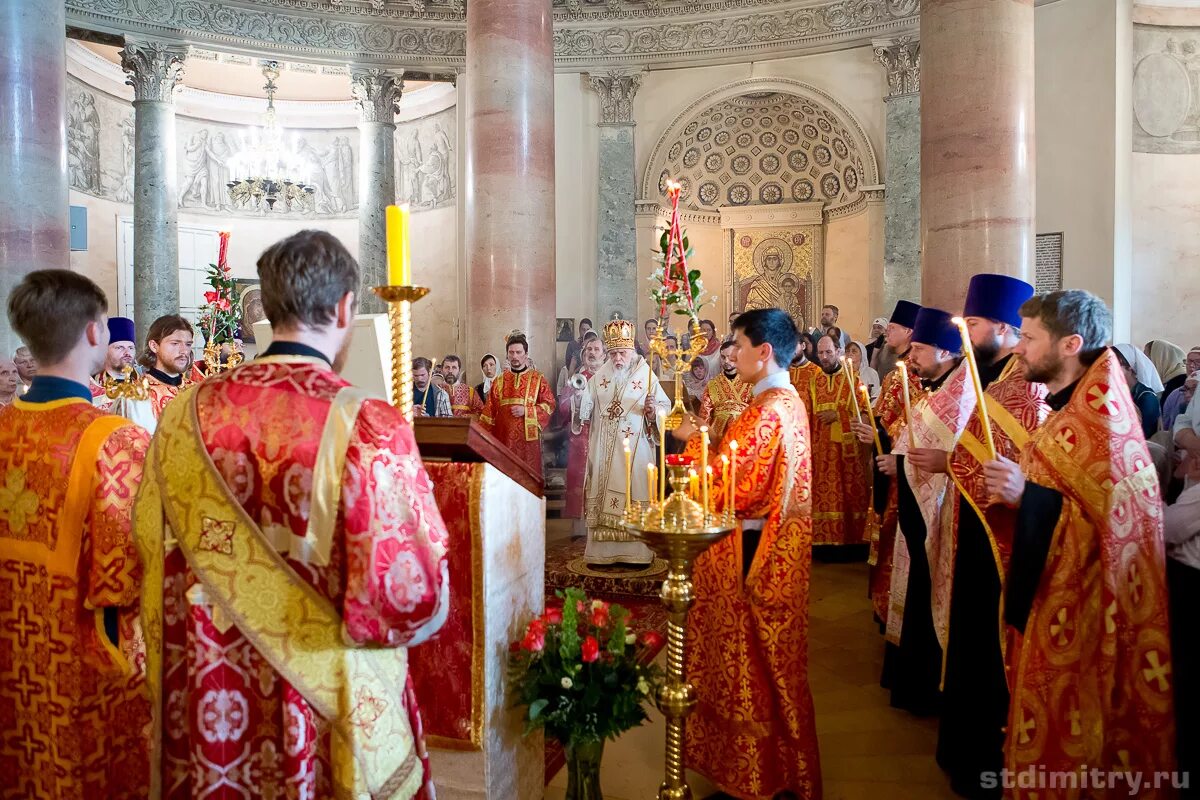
762, 149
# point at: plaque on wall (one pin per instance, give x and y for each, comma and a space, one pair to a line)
1048, 270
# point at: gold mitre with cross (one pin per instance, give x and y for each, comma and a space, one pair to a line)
619, 334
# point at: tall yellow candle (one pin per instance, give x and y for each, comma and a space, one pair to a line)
708, 487
651, 483
725, 475
733, 448
628, 475
399, 263
871, 417
704, 471
849, 367
662, 440
907, 408
973, 366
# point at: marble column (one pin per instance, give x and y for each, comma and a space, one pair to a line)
153, 70
616, 257
34, 229
377, 93
510, 175
901, 58
977, 144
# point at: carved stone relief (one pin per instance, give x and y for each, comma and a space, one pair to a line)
1166, 89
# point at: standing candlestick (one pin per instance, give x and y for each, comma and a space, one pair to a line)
969, 354
628, 475
907, 408
400, 300
733, 448
704, 467
871, 416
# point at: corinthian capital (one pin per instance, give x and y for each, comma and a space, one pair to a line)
377, 92
902, 60
616, 90
153, 69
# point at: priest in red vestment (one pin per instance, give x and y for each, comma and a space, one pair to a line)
753, 732
292, 551
120, 355
889, 420
73, 706
519, 405
975, 693
578, 431
840, 489
169, 348
725, 397
1089, 654
464, 402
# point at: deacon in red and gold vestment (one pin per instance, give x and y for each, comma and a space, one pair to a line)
725, 397
840, 489
74, 711
974, 691
753, 733
1089, 655
169, 342
889, 420
926, 511
519, 405
578, 431
464, 402
279, 480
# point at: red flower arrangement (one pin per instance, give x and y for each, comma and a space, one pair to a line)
578, 671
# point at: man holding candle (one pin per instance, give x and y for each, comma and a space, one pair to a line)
1088, 656
975, 708
519, 405
429, 400
622, 403
889, 421
922, 559
840, 492
725, 397
753, 732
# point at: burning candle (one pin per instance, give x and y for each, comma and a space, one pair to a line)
733, 448
969, 354
725, 473
708, 485
704, 465
399, 265
907, 408
849, 365
862, 387
651, 483
628, 475
693, 484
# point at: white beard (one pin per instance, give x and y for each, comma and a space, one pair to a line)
622, 375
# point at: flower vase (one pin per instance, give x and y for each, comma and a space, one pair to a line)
583, 770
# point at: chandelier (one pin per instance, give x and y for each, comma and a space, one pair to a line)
265, 170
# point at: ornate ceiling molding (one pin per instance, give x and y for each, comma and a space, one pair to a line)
428, 34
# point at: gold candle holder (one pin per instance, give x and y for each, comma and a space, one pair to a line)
212, 357
400, 300
131, 386
683, 363
678, 530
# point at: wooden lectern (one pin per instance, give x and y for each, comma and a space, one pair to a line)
494, 510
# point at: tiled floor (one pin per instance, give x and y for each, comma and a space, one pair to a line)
868, 749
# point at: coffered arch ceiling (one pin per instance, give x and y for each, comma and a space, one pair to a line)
431, 34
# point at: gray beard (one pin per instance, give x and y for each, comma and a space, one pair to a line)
622, 375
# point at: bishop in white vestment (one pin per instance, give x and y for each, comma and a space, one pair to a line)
622, 401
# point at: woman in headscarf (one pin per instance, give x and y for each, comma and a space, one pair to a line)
695, 381
488, 365
1171, 363
866, 373
1144, 385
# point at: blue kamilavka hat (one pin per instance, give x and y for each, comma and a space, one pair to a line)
905, 313
120, 329
997, 297
935, 328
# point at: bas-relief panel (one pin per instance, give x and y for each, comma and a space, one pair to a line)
1166, 89
100, 146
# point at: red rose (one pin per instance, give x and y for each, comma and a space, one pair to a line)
600, 615
553, 616
591, 649
651, 640
211, 297
535, 636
